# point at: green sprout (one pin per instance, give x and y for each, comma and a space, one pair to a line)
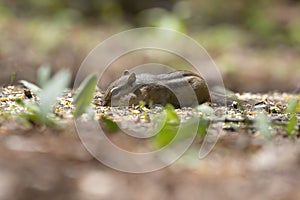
204, 122
85, 94
142, 104
43, 75
169, 128
264, 125
13, 78
34, 88
109, 124
173, 126
292, 109
42, 113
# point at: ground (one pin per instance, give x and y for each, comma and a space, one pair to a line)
39, 162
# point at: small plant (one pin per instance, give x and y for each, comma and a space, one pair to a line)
13, 78
43, 75
84, 94
173, 126
34, 88
142, 105
110, 124
169, 128
42, 113
204, 122
292, 109
264, 125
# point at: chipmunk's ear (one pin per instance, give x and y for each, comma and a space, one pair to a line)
131, 79
126, 72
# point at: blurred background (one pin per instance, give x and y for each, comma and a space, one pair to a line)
255, 44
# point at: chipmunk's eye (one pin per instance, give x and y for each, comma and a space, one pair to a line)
115, 91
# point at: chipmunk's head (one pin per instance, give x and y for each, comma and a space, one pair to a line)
120, 87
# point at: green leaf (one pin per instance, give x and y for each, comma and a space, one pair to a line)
172, 129
142, 104
292, 109
43, 75
84, 94
292, 106
170, 132
34, 88
13, 77
169, 128
205, 110
204, 122
203, 126
42, 113
52, 90
20, 102
33, 116
171, 115
165, 135
264, 126
110, 125
291, 126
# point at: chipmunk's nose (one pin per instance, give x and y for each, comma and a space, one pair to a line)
105, 103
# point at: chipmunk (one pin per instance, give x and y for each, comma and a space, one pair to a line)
179, 88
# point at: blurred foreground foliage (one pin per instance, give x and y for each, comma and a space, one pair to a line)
48, 91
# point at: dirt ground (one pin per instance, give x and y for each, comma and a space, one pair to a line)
52, 163
41, 163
